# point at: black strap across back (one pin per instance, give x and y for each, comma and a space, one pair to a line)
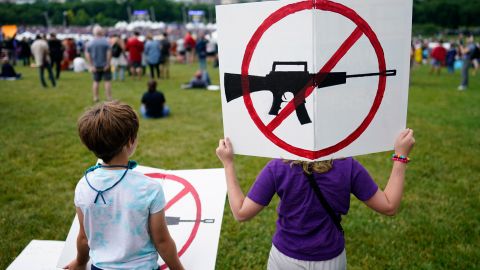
335, 218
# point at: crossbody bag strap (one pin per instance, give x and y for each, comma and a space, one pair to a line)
323, 201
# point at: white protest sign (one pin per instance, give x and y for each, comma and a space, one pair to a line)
38, 255
314, 80
194, 212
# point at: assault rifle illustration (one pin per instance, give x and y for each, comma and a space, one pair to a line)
177, 220
281, 82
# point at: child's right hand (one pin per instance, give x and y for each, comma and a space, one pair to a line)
225, 151
404, 142
74, 265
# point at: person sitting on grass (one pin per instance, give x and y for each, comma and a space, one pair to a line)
120, 211
8, 72
153, 102
313, 196
201, 80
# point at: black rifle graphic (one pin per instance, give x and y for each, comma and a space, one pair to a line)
281, 82
177, 220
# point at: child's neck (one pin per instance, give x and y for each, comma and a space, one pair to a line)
120, 159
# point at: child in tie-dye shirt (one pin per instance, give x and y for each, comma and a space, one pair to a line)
122, 220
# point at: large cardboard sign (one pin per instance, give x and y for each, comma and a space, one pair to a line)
39, 255
194, 211
314, 80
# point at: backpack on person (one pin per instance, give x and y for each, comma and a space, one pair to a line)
476, 53
116, 50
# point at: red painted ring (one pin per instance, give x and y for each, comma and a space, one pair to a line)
252, 44
198, 205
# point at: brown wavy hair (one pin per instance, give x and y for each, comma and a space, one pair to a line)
107, 127
312, 167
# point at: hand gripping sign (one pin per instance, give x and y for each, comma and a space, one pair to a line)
193, 212
343, 67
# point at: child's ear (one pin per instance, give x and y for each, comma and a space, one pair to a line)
132, 141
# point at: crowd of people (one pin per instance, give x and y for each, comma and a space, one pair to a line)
113, 56
462, 54
130, 54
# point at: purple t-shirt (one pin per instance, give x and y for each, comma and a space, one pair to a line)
304, 229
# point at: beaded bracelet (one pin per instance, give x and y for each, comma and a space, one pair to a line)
400, 158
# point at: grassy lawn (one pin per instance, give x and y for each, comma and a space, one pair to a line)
438, 226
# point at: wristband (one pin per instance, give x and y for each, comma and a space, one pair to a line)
400, 158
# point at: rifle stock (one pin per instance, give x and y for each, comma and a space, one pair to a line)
233, 85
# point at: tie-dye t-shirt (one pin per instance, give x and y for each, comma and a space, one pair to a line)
117, 232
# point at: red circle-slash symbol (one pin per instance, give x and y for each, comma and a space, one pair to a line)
362, 28
187, 188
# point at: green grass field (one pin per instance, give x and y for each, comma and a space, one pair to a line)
438, 226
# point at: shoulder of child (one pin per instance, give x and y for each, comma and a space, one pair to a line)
81, 182
277, 162
146, 179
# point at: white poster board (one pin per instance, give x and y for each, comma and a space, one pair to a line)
194, 212
314, 80
38, 255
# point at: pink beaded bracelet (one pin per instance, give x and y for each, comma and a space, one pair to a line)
400, 158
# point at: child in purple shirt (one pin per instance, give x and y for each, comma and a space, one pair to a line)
306, 236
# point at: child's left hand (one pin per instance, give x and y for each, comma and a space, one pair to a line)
74, 265
225, 151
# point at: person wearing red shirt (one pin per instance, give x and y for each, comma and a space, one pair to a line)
438, 55
190, 43
135, 51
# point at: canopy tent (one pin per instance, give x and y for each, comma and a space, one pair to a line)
9, 31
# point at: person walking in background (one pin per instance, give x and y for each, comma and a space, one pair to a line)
212, 51
165, 57
201, 51
425, 52
152, 54
71, 50
418, 53
438, 55
450, 58
153, 102
10, 46
135, 51
119, 60
180, 51
42, 59
189, 43
313, 196
56, 53
25, 52
99, 55
467, 56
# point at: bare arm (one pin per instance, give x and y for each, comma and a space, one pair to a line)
163, 241
388, 201
83, 249
243, 208
109, 59
89, 60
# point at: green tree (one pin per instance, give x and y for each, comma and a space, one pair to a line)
81, 18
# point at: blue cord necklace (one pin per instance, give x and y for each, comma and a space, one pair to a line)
131, 164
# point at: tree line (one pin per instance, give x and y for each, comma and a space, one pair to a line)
434, 16
452, 14
83, 13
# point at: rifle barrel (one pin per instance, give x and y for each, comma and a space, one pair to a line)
390, 72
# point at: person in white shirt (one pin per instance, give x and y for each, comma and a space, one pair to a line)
41, 53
